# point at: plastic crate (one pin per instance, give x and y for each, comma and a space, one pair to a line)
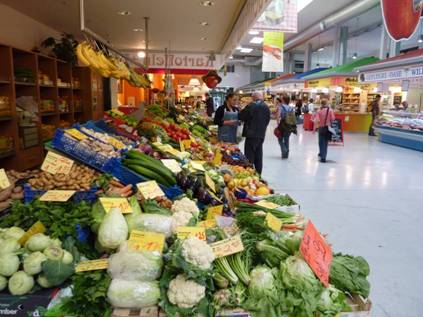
82, 195
119, 131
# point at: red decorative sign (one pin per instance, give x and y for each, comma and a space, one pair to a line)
401, 17
317, 253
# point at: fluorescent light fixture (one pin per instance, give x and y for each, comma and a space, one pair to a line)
141, 54
357, 90
124, 13
194, 82
256, 40
239, 48
314, 90
355, 56
241, 92
254, 32
325, 90
207, 3
231, 57
338, 89
246, 50
320, 49
138, 30
204, 23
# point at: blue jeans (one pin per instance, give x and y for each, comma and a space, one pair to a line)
284, 143
323, 146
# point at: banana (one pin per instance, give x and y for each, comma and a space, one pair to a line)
81, 57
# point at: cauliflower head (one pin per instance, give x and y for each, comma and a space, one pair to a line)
185, 204
185, 293
180, 219
197, 252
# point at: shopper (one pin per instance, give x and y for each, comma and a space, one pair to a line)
287, 124
226, 117
311, 106
375, 112
322, 121
256, 118
209, 104
298, 108
404, 105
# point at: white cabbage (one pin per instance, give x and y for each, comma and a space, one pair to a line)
151, 222
38, 242
133, 294
113, 229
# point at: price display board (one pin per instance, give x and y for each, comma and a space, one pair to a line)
150, 190
57, 195
338, 127
173, 165
76, 134
210, 183
185, 232
227, 247
214, 211
147, 241
4, 180
56, 164
110, 202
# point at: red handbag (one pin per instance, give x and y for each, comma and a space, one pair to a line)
277, 132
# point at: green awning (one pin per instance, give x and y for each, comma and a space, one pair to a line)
343, 70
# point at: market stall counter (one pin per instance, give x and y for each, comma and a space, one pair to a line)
355, 122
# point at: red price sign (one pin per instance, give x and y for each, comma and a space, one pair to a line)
317, 253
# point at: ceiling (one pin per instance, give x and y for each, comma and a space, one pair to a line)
173, 23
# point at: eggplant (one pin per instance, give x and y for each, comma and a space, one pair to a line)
180, 177
240, 193
204, 196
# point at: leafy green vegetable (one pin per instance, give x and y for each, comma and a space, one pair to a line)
281, 200
152, 207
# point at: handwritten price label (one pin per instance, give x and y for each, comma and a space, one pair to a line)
227, 247
214, 211
185, 232
121, 203
150, 190
198, 165
76, 134
317, 253
57, 164
173, 165
211, 223
147, 241
210, 183
181, 146
93, 265
267, 204
187, 144
4, 180
116, 143
37, 227
273, 222
217, 160
57, 195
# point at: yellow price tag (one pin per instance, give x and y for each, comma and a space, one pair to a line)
56, 164
4, 180
57, 195
121, 203
267, 204
37, 227
93, 265
116, 143
185, 232
150, 190
210, 223
187, 144
147, 241
217, 160
273, 222
172, 164
214, 211
210, 183
198, 165
76, 134
227, 247
181, 146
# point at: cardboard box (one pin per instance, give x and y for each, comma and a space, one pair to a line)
361, 307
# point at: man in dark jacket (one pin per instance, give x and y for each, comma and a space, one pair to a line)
256, 117
209, 105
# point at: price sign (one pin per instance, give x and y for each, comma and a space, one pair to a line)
273, 222
210, 183
147, 241
267, 204
173, 165
317, 253
57, 164
116, 143
211, 223
227, 247
93, 265
185, 232
181, 146
214, 211
217, 160
121, 203
150, 190
198, 165
57, 195
37, 227
76, 134
4, 180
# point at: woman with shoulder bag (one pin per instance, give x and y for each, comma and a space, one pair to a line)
322, 121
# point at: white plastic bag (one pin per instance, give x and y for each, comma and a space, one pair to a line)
133, 294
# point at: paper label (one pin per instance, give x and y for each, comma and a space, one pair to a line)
227, 247
121, 203
197, 165
211, 223
93, 265
273, 222
267, 204
185, 232
37, 227
57, 195
116, 143
76, 134
150, 190
214, 196
317, 253
214, 211
56, 164
173, 165
210, 183
181, 117
4, 180
187, 144
147, 241
217, 160
181, 146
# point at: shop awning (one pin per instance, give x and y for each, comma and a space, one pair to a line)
297, 77
263, 84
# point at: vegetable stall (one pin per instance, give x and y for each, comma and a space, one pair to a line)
153, 216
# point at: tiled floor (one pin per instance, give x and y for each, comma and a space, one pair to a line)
369, 199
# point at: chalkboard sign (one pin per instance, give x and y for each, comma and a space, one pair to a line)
338, 138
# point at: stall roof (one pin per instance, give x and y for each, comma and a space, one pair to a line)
262, 83
343, 70
297, 77
409, 58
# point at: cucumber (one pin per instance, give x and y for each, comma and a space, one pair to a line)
149, 174
157, 163
163, 171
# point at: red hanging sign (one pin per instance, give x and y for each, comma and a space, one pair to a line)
317, 253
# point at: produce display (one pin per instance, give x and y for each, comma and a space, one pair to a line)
401, 120
188, 230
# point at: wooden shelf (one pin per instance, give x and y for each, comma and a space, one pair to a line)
7, 154
22, 83
48, 114
6, 118
47, 86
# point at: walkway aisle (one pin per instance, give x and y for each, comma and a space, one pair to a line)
369, 199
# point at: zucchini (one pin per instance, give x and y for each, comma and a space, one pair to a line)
164, 172
149, 174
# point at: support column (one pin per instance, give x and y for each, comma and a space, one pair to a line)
307, 57
287, 62
336, 46
343, 39
384, 39
394, 48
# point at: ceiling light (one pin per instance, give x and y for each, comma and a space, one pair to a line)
254, 32
420, 38
246, 50
141, 54
207, 3
231, 57
194, 82
320, 49
256, 40
239, 48
124, 13
138, 30
355, 56
203, 38
204, 23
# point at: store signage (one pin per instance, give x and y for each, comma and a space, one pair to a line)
185, 61
150, 190
57, 195
214, 211
56, 164
324, 82
280, 15
392, 74
272, 52
317, 253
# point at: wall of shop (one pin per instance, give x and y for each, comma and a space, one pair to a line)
414, 96
21, 31
240, 77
